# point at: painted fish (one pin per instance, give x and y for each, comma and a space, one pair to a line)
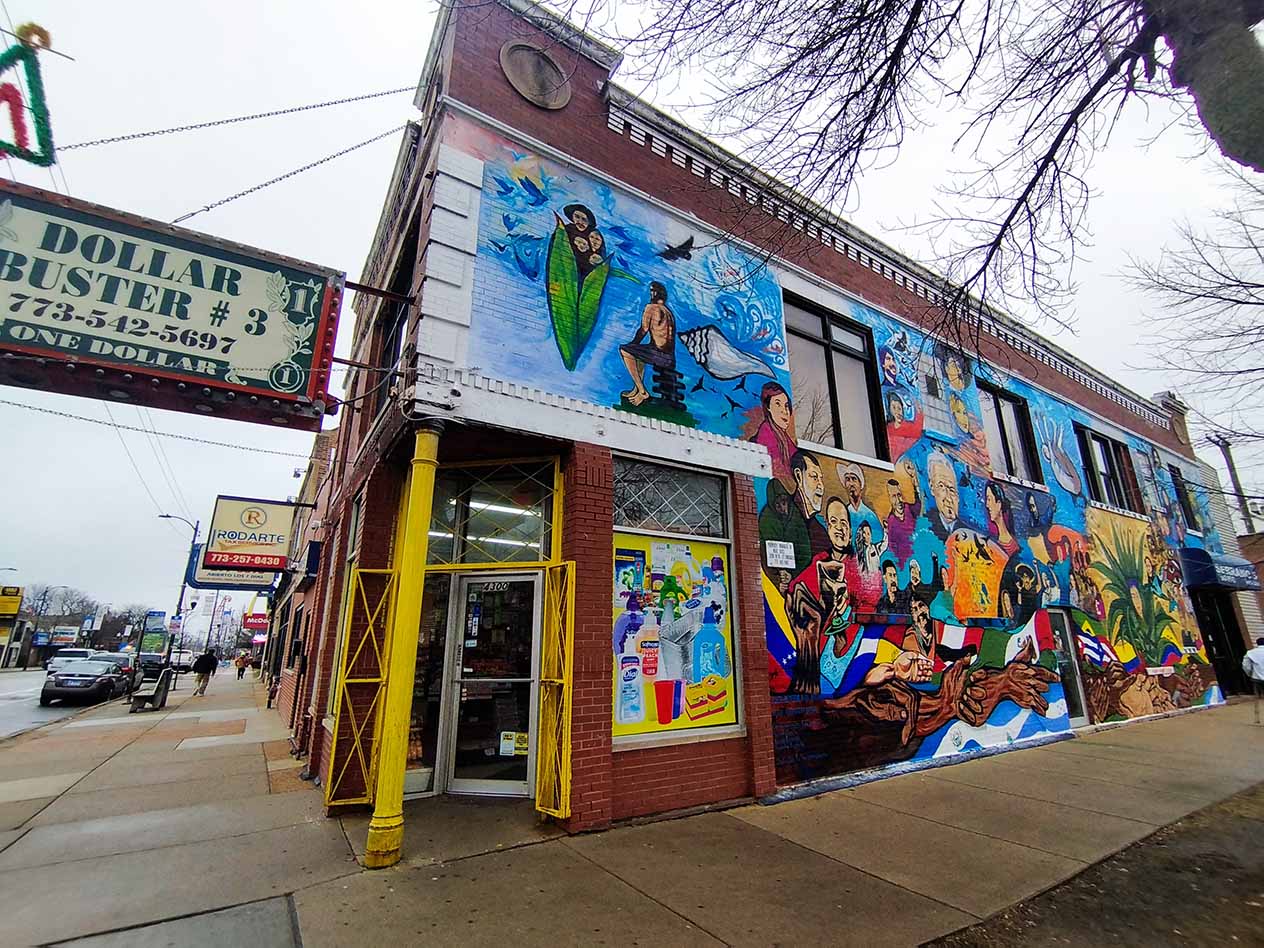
719, 357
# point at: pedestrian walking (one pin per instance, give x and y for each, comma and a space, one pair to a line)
1253, 665
203, 668
241, 667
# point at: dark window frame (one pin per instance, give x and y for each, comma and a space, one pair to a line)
869, 360
1025, 432
1185, 497
1117, 486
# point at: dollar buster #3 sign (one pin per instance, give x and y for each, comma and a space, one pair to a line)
132, 309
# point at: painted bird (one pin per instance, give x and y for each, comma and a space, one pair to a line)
682, 251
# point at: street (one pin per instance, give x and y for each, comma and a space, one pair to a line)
19, 703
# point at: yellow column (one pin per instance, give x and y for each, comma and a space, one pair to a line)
386, 829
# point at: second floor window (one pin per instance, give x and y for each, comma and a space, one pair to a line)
1185, 497
1108, 471
834, 378
1007, 425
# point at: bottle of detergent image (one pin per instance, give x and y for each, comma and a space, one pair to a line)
710, 656
647, 646
631, 708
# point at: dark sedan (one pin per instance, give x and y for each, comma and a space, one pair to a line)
132, 673
84, 681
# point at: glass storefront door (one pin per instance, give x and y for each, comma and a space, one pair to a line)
1068, 666
428, 679
491, 734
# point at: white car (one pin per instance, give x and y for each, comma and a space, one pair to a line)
66, 656
182, 659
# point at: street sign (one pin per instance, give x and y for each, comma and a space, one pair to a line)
65, 634
39, 639
109, 305
249, 534
155, 621
10, 600
198, 576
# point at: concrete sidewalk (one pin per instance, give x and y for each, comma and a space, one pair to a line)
191, 827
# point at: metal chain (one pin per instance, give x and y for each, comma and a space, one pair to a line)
230, 121
289, 174
164, 434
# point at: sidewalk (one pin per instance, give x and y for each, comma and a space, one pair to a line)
112, 822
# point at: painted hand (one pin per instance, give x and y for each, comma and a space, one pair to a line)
913, 666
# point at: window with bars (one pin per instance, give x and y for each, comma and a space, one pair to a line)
498, 513
935, 410
1108, 471
668, 499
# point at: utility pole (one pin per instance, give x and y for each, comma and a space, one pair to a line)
180, 601
1223, 443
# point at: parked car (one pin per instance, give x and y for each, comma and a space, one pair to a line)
83, 681
64, 656
132, 673
182, 660
151, 664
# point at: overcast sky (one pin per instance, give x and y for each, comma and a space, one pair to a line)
74, 510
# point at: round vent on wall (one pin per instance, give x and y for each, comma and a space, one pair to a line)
535, 75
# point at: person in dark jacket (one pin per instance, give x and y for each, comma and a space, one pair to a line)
203, 668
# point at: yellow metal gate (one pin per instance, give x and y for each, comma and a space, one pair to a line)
553, 758
360, 688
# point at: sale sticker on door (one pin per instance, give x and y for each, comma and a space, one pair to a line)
83, 284
249, 534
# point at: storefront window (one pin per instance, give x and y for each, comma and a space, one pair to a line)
423, 729
668, 499
674, 667
496, 514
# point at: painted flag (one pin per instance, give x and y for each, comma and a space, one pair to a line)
861, 655
1171, 655
1128, 657
1095, 648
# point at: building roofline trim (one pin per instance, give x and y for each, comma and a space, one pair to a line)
711, 162
587, 45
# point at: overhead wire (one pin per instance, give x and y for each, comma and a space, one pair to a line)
164, 463
161, 434
134, 136
289, 174
128, 451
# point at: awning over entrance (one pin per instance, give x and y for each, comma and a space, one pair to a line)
1220, 570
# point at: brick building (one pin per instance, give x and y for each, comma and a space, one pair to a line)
716, 511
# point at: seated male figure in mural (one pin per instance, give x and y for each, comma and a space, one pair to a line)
659, 323
921, 634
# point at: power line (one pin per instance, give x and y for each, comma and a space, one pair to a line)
162, 434
128, 451
289, 174
164, 462
133, 136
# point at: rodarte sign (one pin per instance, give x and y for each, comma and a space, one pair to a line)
141, 311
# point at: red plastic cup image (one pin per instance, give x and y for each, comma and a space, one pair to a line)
664, 692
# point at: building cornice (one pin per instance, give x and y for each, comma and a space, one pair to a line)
675, 142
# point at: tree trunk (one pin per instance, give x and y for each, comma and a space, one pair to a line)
1218, 59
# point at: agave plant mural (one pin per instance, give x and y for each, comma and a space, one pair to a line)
1135, 613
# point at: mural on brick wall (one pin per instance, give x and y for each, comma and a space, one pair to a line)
583, 290
933, 607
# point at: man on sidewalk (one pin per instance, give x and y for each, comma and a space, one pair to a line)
1253, 666
203, 668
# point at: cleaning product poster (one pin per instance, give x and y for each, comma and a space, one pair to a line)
673, 641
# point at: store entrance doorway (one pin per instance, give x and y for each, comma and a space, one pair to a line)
1222, 637
1068, 666
475, 689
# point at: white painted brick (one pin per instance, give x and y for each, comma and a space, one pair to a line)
439, 340
460, 165
454, 230
453, 195
445, 301
450, 266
